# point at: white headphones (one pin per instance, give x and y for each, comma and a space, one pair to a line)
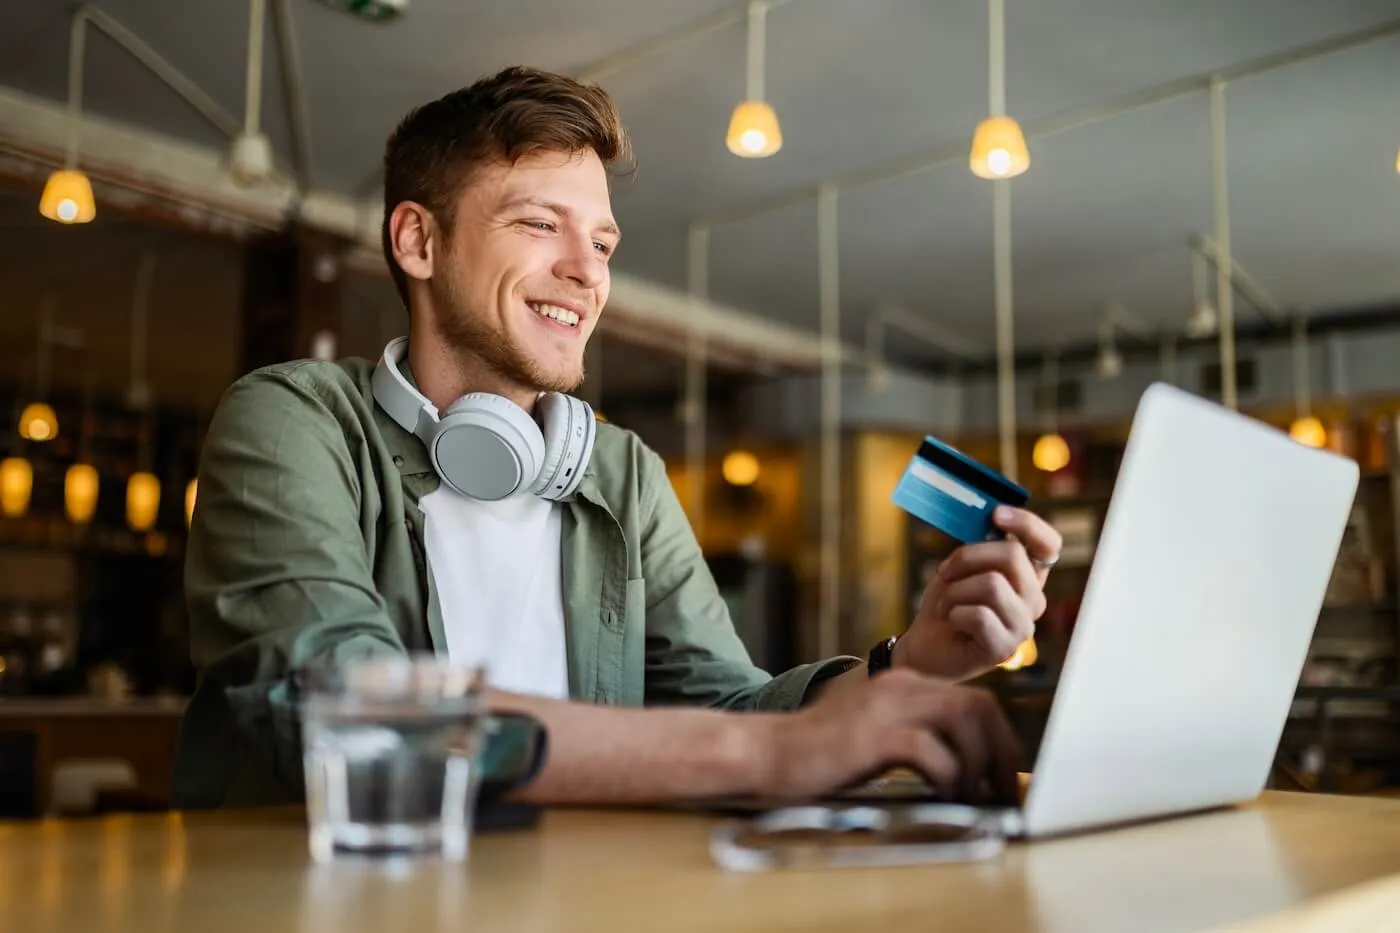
486, 446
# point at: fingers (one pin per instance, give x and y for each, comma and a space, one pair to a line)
980, 623
1038, 536
959, 740
1007, 558
1009, 609
920, 749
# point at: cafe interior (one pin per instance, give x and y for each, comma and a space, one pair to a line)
850, 226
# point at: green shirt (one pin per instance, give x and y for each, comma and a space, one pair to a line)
307, 545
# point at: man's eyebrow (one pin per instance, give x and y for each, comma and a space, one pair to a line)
529, 201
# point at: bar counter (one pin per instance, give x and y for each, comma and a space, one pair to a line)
599, 871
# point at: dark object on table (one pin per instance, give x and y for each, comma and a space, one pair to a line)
515, 752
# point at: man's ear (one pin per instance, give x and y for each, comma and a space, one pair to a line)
411, 233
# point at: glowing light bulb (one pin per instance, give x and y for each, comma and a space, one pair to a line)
142, 500
1051, 453
740, 468
38, 422
80, 485
999, 149
753, 130
1308, 431
67, 198
16, 483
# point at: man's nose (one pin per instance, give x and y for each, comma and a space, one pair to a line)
582, 265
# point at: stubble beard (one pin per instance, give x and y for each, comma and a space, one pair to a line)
470, 336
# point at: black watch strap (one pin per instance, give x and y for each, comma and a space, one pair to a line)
881, 656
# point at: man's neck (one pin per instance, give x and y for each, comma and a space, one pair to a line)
443, 376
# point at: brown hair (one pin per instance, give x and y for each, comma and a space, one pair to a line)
508, 115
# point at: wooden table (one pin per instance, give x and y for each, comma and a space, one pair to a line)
623, 871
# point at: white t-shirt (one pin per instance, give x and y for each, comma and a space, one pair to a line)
497, 574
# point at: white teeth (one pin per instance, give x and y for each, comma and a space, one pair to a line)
562, 315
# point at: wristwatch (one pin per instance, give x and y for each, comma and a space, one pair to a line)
881, 656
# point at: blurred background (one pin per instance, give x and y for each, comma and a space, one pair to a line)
825, 259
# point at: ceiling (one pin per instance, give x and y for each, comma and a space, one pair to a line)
1103, 216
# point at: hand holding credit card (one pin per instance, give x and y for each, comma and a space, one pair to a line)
982, 611
954, 493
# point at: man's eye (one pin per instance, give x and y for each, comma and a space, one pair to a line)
604, 248
541, 225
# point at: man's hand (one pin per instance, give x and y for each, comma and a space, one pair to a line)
954, 736
984, 601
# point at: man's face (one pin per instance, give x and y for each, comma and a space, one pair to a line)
522, 278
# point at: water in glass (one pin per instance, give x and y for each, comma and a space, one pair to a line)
391, 759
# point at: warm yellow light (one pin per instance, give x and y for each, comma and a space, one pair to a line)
142, 500
1050, 453
67, 198
1308, 431
999, 149
16, 482
753, 130
191, 494
80, 492
740, 468
1397, 161
1025, 655
38, 422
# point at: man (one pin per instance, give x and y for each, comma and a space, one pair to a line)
324, 531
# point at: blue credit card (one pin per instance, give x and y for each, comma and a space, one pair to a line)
947, 489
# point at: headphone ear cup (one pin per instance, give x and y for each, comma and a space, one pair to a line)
487, 447
569, 430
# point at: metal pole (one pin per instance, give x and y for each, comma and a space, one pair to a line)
76, 45
1168, 358
252, 91
293, 90
1225, 292
828, 252
157, 65
996, 57
1302, 379
698, 274
1006, 340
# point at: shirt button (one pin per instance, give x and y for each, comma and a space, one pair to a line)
398, 460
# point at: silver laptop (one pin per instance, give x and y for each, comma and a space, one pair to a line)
1208, 578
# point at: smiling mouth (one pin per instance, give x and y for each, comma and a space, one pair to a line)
555, 313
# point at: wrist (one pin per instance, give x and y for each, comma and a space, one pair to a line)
750, 752
899, 652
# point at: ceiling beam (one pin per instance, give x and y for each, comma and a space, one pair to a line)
957, 152
137, 168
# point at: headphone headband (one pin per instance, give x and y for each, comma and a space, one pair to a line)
395, 394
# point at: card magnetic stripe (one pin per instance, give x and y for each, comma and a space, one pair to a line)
959, 466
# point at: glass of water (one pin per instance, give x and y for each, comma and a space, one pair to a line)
390, 751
